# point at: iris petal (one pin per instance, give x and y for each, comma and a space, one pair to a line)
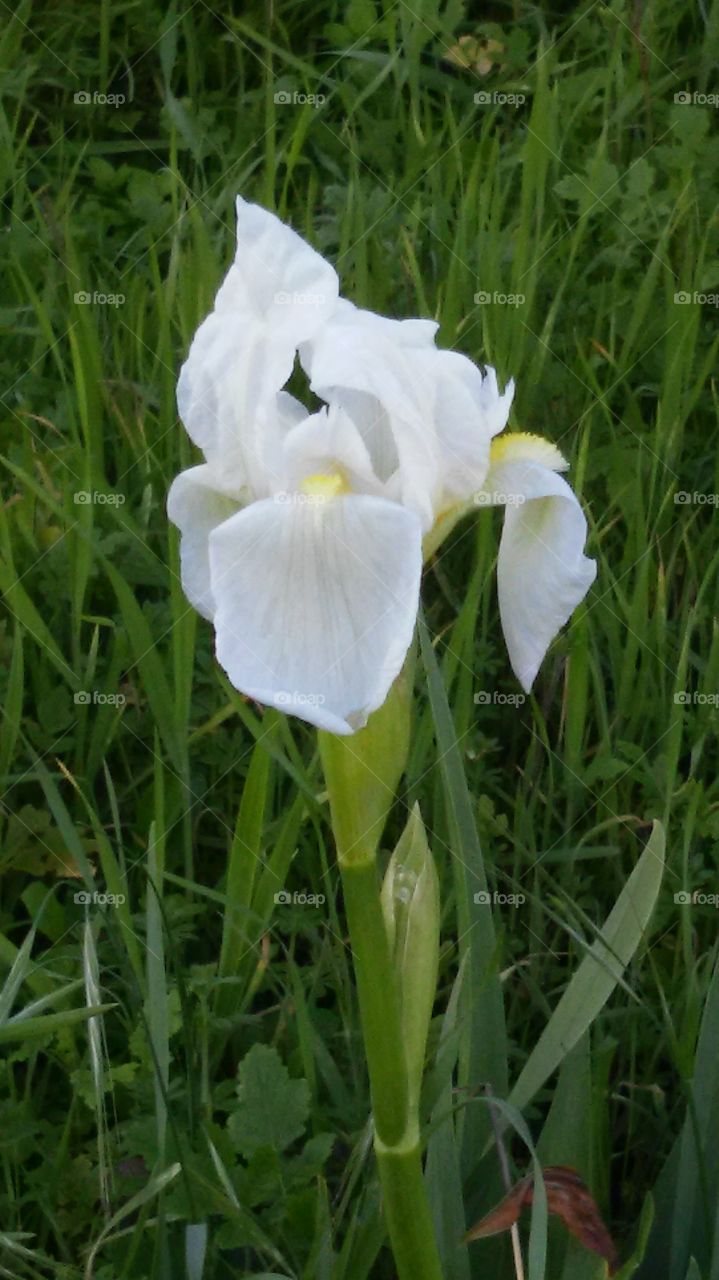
316, 603
542, 572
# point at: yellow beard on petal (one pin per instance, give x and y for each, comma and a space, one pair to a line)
522, 446
325, 485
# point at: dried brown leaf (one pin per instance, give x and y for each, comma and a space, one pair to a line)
568, 1198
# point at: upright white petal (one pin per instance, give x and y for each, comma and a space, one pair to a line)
277, 294
542, 571
197, 504
329, 442
469, 412
385, 360
427, 415
372, 421
316, 603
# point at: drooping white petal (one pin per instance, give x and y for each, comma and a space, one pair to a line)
197, 504
542, 572
276, 295
316, 603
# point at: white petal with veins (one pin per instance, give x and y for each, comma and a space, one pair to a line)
316, 603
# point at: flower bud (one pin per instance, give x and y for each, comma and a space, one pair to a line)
410, 904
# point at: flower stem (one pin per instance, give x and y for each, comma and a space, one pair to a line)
406, 1207
378, 998
397, 1146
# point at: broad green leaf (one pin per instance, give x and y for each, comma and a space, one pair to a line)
273, 1108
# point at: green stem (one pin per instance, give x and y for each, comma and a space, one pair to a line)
407, 1211
378, 998
399, 1157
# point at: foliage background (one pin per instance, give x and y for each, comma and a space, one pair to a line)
594, 200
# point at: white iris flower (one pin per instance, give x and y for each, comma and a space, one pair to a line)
303, 533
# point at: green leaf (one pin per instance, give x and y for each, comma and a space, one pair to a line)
34, 1028
443, 1174
688, 1186
273, 1108
629, 1268
238, 934
599, 972
154, 1187
484, 1053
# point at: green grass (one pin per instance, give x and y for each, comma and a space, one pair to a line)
122, 1132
